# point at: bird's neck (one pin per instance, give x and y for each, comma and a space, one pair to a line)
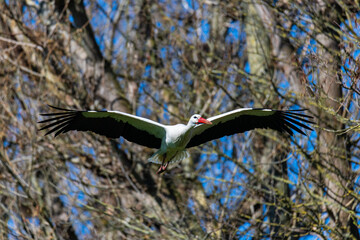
189, 126
186, 131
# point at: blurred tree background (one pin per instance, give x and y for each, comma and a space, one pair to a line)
166, 60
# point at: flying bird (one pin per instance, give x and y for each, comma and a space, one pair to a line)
173, 140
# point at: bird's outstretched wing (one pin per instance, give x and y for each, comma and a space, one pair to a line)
112, 124
245, 119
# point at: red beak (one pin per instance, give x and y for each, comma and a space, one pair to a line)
203, 120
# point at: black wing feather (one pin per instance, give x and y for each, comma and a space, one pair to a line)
108, 126
282, 121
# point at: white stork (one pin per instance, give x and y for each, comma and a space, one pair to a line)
173, 140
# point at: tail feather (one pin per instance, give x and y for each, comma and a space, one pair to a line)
179, 157
157, 157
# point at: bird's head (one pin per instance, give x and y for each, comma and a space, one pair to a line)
197, 119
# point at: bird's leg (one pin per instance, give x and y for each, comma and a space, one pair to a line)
163, 166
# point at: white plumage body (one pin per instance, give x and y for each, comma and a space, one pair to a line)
173, 146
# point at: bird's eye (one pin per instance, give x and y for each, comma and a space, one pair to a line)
195, 117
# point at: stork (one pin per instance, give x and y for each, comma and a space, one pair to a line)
173, 140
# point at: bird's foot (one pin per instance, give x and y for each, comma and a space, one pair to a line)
162, 168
